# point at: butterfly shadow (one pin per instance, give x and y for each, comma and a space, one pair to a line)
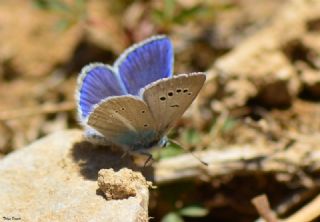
91, 158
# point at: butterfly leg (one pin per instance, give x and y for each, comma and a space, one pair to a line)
125, 153
150, 158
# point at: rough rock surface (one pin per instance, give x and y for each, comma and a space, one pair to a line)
122, 184
55, 179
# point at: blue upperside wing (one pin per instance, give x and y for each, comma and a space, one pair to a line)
97, 81
145, 63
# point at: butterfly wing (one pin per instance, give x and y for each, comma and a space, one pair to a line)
169, 98
144, 63
94, 136
125, 121
96, 82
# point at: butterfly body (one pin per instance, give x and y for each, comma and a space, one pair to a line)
134, 103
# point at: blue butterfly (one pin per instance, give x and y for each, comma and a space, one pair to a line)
134, 103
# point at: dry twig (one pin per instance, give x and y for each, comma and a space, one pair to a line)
309, 212
262, 205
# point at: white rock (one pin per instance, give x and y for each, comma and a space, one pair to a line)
54, 179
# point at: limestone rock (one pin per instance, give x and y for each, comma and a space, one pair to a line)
54, 179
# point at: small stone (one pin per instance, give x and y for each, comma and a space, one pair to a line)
122, 184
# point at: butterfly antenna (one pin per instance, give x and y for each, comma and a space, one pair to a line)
178, 144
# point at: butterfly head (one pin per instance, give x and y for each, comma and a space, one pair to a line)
163, 142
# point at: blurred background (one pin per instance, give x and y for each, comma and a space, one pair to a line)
261, 97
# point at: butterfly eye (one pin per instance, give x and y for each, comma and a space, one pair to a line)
122, 108
145, 125
185, 90
162, 98
143, 111
170, 93
178, 90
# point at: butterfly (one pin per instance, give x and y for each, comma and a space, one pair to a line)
135, 102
